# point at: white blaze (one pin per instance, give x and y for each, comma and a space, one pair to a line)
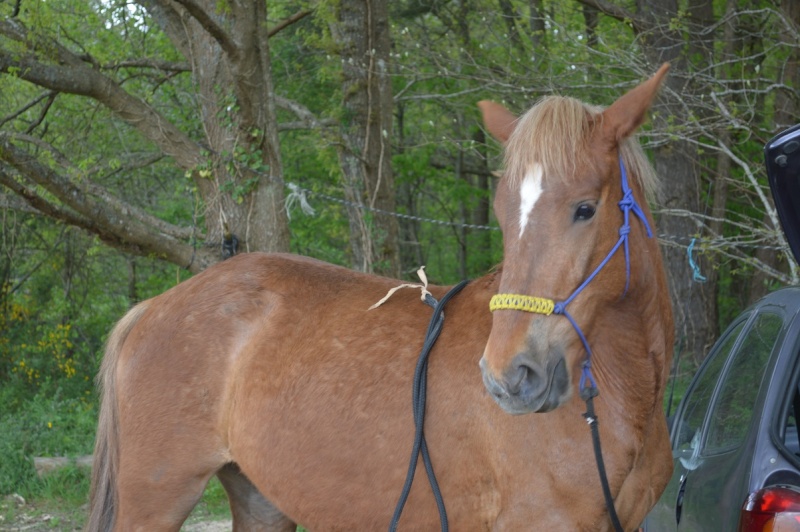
529, 194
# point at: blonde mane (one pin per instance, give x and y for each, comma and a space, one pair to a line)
555, 132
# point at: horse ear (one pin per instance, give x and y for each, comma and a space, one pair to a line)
499, 121
625, 115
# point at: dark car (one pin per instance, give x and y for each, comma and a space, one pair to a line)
735, 440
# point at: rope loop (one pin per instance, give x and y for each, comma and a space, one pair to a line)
419, 398
591, 390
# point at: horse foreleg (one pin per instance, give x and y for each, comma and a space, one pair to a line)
250, 510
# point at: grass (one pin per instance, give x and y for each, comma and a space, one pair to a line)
45, 423
60, 503
57, 501
214, 504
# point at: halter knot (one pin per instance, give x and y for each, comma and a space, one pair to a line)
624, 230
627, 201
587, 377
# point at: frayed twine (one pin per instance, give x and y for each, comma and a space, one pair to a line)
422, 287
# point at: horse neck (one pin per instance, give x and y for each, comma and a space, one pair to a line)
633, 340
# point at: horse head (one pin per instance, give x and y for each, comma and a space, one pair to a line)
573, 178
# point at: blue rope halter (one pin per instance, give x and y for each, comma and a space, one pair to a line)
628, 205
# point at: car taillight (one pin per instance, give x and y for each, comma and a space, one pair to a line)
772, 509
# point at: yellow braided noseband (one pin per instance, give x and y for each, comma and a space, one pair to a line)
537, 305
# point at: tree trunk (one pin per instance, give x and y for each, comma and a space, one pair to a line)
411, 252
510, 16
676, 165
362, 34
787, 108
244, 192
536, 20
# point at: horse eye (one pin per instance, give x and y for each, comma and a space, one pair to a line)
584, 212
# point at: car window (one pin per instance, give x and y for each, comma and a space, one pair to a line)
733, 408
699, 396
790, 432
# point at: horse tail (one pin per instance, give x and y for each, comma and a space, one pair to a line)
103, 495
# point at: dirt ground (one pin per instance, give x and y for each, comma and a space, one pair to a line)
17, 515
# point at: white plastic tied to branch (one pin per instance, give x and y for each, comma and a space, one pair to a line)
297, 196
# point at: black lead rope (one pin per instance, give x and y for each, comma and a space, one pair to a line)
588, 394
418, 400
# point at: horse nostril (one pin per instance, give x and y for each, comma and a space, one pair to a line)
527, 379
520, 376
528, 385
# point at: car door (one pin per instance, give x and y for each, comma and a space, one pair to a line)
711, 433
782, 158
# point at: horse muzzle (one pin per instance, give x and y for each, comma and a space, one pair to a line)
527, 385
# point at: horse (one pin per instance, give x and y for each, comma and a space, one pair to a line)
271, 372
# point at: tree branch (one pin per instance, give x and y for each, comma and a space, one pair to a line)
35, 203
77, 78
289, 21
169, 20
14, 202
122, 208
210, 25
33, 103
74, 76
302, 112
42, 113
117, 223
302, 124
127, 209
15, 30
58, 157
155, 64
615, 11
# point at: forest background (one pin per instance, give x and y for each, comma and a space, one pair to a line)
141, 142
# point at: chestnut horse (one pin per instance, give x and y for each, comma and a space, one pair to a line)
270, 372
